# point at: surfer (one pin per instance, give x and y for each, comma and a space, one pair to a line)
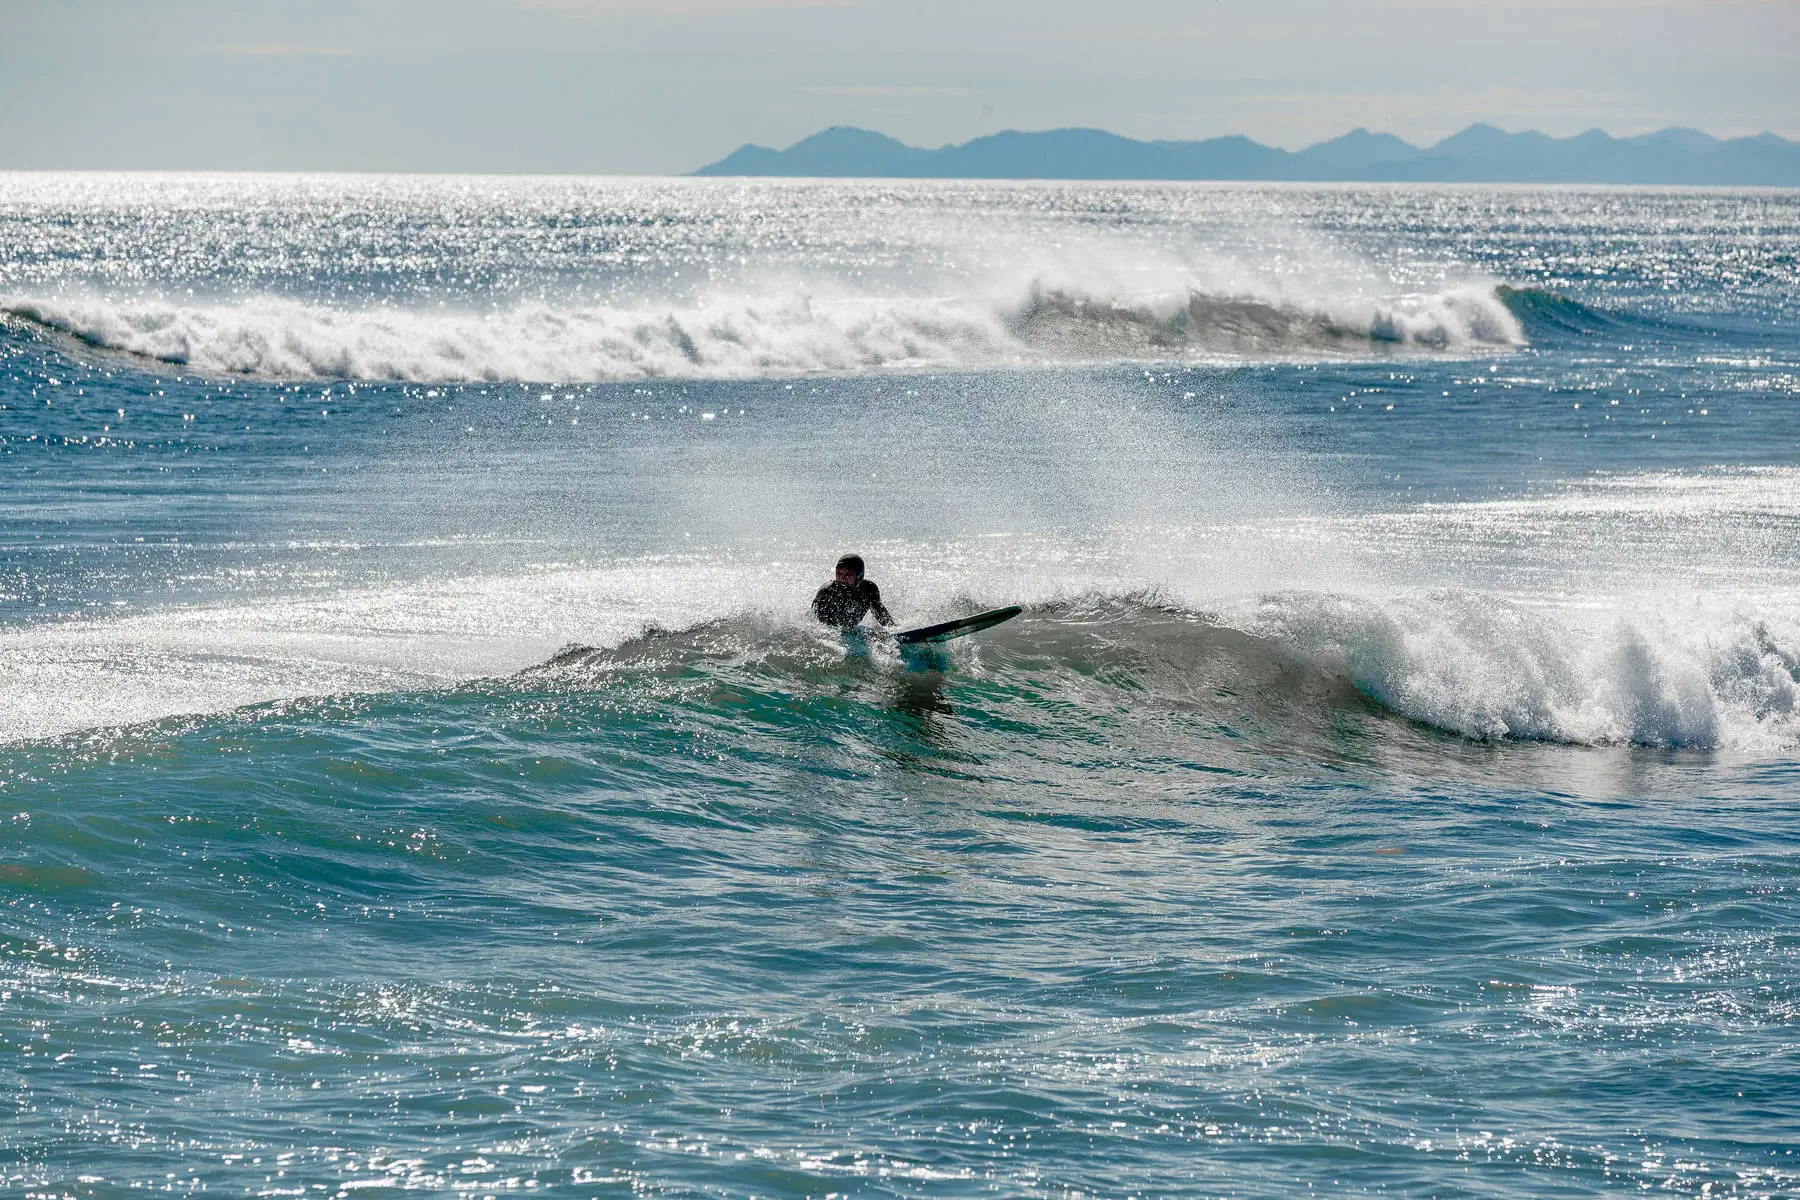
848, 598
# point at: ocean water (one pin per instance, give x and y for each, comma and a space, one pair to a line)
419, 773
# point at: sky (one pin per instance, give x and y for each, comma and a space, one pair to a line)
663, 86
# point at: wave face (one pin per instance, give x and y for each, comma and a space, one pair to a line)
772, 336
1545, 311
1082, 327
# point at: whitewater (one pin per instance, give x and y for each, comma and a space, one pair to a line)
419, 771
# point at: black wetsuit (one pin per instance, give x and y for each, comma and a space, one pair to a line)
846, 604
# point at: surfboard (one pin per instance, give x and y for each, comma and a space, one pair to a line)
945, 630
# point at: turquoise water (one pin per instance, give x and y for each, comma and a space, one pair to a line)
418, 771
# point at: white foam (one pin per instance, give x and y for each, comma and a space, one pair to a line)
76, 675
1588, 614
1488, 667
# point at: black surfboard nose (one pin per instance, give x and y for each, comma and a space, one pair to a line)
945, 630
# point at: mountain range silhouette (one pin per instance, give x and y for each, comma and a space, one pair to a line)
1479, 154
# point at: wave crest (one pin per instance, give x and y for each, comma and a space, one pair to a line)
762, 336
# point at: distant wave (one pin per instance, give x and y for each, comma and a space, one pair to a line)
762, 336
1467, 664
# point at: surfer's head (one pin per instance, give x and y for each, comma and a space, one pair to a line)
849, 568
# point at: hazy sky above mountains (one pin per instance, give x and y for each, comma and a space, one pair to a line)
659, 86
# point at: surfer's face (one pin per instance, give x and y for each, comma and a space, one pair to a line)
846, 576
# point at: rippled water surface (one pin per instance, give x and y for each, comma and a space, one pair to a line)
419, 772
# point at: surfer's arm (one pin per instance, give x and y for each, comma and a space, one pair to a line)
877, 607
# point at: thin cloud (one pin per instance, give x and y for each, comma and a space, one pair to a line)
275, 50
826, 89
1118, 34
671, 8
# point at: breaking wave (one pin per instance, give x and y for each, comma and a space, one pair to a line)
1292, 664
747, 337
1278, 671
